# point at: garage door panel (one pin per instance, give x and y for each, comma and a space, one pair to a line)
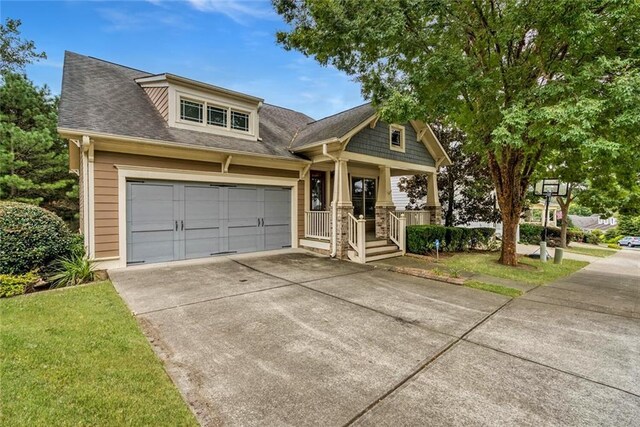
150, 222
202, 243
277, 236
151, 246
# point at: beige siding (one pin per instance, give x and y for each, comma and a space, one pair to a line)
301, 200
160, 98
106, 190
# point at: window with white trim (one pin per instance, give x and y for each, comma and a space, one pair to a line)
396, 138
191, 111
217, 116
239, 121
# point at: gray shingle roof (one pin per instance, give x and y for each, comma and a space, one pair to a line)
334, 126
100, 96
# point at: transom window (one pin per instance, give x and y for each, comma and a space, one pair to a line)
191, 111
396, 138
239, 121
218, 116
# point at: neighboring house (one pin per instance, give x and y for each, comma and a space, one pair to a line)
593, 222
171, 168
400, 198
535, 214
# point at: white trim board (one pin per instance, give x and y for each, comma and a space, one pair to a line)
132, 172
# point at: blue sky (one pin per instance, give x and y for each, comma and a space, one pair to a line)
227, 43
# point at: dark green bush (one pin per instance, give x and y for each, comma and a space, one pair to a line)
11, 285
532, 234
421, 238
30, 238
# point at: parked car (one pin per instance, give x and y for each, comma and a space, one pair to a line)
630, 241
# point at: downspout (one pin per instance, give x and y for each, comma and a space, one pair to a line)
334, 205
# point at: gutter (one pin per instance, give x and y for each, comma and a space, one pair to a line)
334, 205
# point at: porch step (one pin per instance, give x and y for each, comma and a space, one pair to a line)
380, 249
384, 255
376, 243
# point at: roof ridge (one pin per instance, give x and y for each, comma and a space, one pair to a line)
287, 108
109, 62
339, 112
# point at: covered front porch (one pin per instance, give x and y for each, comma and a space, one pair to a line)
354, 193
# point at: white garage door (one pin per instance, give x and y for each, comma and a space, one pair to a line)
171, 221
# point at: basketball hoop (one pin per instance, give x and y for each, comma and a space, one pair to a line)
548, 188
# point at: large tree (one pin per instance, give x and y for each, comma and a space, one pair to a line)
33, 159
15, 52
518, 77
465, 187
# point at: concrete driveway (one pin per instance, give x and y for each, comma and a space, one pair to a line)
297, 339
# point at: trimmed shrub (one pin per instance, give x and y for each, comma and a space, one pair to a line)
532, 234
613, 246
611, 234
12, 285
594, 237
30, 238
421, 238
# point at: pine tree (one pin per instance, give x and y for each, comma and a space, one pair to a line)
33, 159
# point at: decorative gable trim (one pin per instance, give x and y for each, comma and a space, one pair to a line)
159, 96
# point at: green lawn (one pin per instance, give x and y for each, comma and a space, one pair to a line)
528, 271
595, 251
77, 357
496, 289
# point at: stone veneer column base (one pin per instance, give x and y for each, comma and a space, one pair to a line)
382, 221
435, 214
342, 233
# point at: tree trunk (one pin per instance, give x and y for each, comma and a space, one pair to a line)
509, 254
564, 208
448, 219
510, 173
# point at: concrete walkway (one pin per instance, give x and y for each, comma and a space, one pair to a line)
296, 339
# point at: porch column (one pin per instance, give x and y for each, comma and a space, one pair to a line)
384, 202
433, 200
343, 208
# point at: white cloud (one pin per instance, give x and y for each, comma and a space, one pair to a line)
126, 20
241, 11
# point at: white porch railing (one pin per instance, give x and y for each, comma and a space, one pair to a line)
317, 224
397, 231
415, 217
357, 241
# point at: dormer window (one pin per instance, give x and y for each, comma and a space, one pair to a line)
217, 116
191, 111
197, 106
396, 138
239, 121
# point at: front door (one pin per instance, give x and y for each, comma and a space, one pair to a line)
363, 197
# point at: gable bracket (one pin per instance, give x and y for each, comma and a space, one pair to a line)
304, 170
374, 122
421, 133
225, 165
344, 143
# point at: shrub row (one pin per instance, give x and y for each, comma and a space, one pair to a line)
532, 234
421, 238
